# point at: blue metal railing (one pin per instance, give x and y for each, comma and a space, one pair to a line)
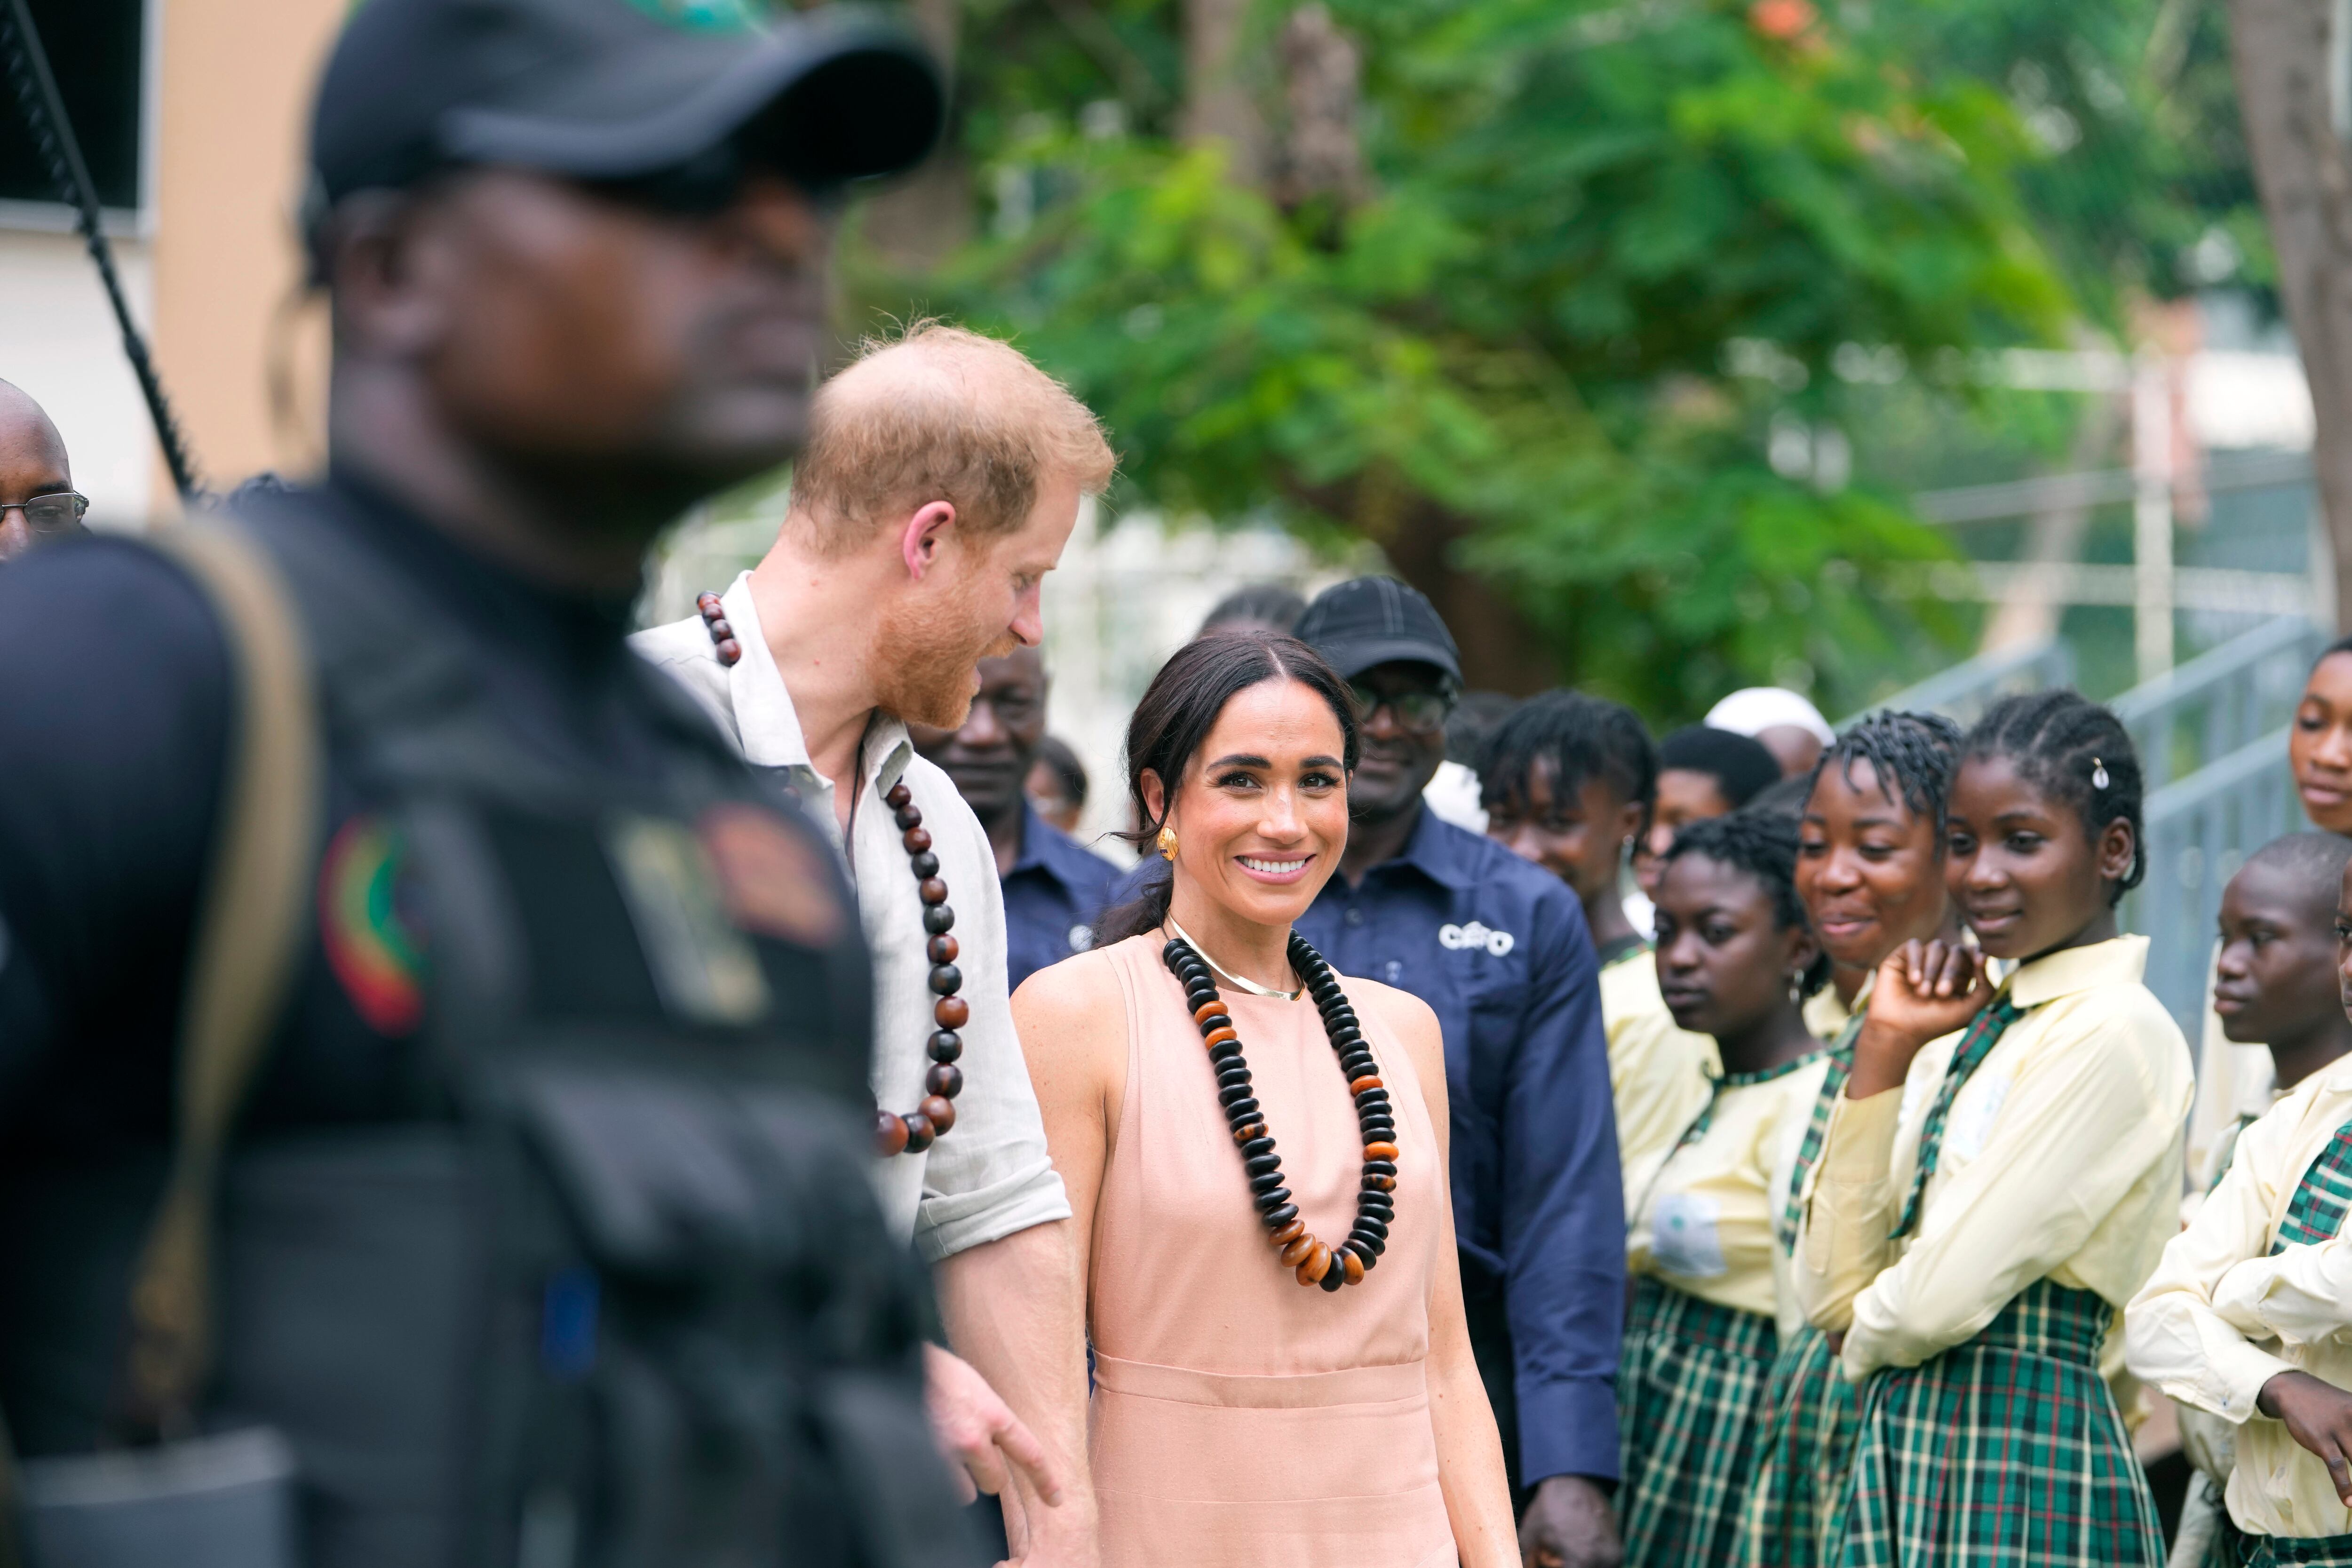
1964, 691
2219, 702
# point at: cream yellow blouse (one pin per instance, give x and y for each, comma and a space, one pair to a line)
2061, 1159
2222, 1316
1705, 1224
1659, 1075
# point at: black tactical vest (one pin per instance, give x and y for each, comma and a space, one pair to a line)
619, 1295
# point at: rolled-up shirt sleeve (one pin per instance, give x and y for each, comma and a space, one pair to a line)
2073, 1137
2303, 1296
990, 1176
1563, 1214
2177, 1335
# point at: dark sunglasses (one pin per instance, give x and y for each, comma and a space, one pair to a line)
1422, 713
56, 512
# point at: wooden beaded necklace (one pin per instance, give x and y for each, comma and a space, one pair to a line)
1314, 1261
914, 1132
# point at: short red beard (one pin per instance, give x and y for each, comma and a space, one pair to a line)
928, 655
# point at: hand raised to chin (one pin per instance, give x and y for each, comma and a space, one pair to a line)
1925, 990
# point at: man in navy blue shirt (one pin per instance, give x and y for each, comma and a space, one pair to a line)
1054, 889
1499, 951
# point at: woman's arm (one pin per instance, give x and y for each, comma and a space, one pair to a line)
1072, 1023
1469, 1453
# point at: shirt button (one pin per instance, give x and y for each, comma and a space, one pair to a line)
1354, 917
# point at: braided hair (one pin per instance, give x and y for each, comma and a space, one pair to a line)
2075, 751
1763, 844
1583, 738
1914, 753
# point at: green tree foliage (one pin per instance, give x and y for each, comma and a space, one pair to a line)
1605, 249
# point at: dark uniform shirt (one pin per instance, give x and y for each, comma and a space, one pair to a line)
111, 746
1053, 897
1500, 950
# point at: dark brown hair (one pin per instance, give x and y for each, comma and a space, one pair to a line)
1178, 710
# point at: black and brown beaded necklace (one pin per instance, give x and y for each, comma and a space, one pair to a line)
915, 1130
1314, 1261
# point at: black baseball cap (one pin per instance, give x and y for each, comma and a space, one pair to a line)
1367, 621
617, 90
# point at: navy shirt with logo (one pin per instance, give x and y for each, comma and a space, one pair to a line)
1500, 950
1053, 896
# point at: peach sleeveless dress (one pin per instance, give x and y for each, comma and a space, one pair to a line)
1240, 1419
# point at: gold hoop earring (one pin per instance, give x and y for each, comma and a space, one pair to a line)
1166, 843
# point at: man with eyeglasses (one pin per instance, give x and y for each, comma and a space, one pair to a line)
1054, 888
37, 500
1500, 953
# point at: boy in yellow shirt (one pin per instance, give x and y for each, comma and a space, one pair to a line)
2246, 1318
1569, 782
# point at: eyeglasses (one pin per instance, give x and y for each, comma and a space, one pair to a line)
1422, 712
56, 512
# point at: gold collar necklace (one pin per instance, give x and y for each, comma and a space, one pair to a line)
1248, 987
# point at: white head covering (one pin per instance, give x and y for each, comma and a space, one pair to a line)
1755, 708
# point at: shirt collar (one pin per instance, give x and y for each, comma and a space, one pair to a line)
1035, 846
765, 721
2119, 960
1435, 849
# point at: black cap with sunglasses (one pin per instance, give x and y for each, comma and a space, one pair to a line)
673, 100
1371, 621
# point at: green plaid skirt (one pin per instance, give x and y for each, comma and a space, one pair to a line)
2006, 1449
1799, 1497
1690, 1389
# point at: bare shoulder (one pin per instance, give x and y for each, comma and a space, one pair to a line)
1068, 1008
1409, 1021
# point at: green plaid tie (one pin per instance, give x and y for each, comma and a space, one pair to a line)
1975, 1045
2315, 1213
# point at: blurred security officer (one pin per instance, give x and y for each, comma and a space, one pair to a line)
1054, 889
542, 1234
1499, 951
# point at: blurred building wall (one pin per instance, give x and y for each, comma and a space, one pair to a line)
237, 78
207, 260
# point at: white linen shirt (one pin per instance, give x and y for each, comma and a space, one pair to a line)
990, 1176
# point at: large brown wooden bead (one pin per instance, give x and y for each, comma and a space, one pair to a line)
945, 1045
915, 839
898, 795
889, 1133
1380, 1150
1318, 1264
719, 630
944, 1078
1290, 1233
919, 1133
907, 817
932, 890
1299, 1247
705, 600
1219, 1037
1206, 1011
1248, 1130
729, 650
951, 1012
936, 1109
946, 979
1385, 1184
1361, 1084
942, 948
1354, 1266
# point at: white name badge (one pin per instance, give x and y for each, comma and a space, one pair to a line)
1683, 1237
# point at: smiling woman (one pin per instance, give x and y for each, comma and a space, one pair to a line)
1210, 1087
